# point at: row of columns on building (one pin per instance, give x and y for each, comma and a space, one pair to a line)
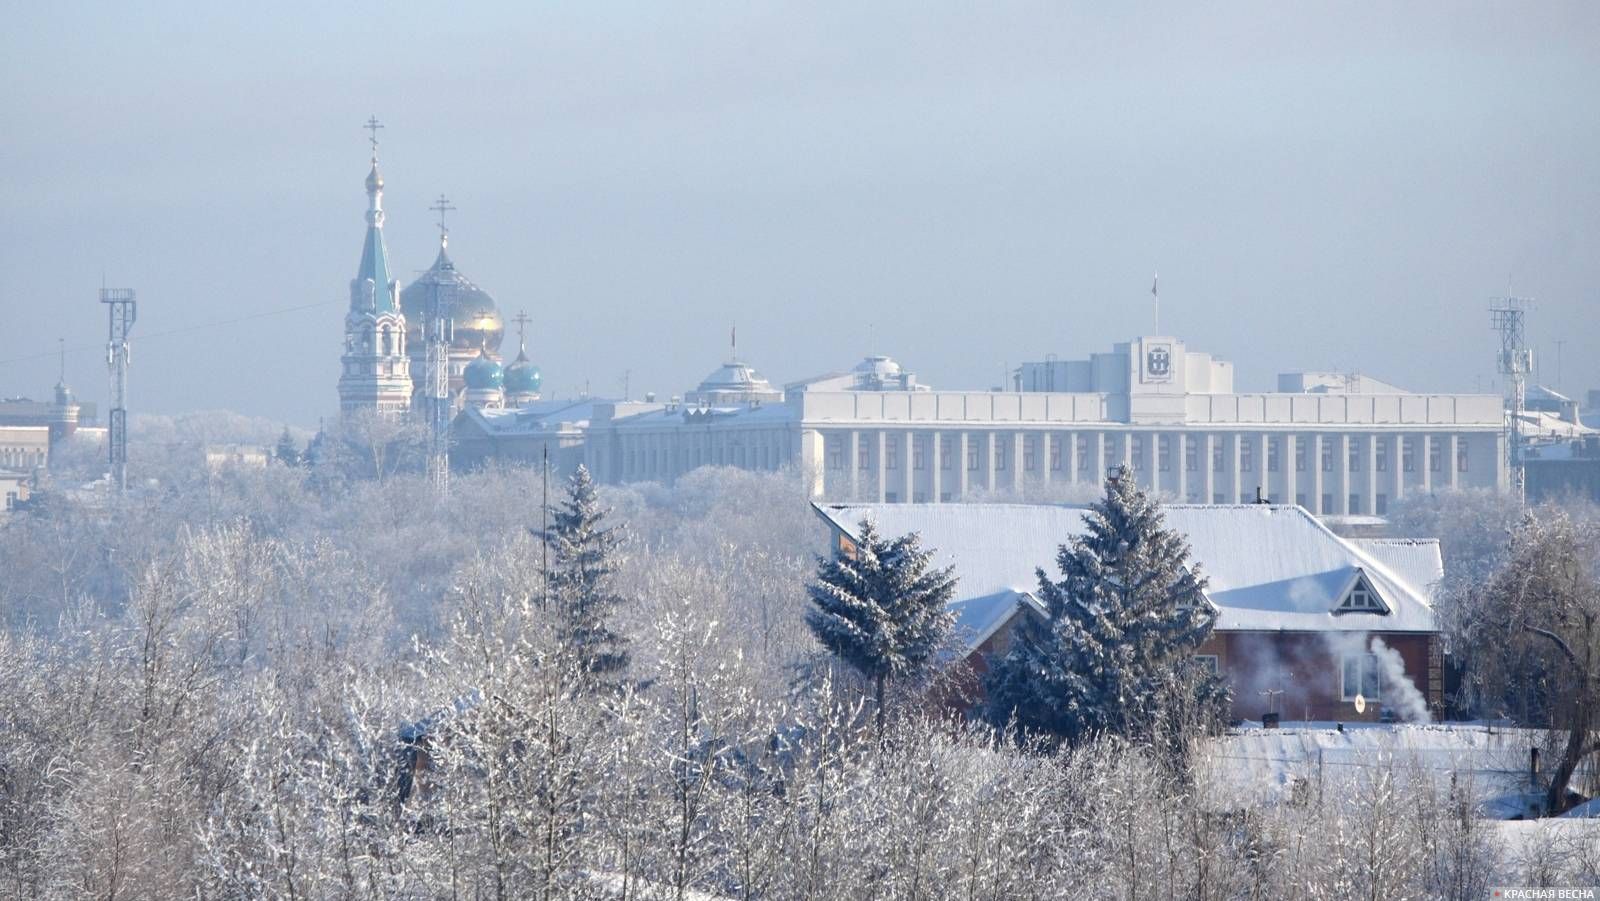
1140, 451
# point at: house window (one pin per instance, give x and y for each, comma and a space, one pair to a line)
1361, 599
11, 499
1055, 453
1030, 455
1408, 455
1360, 675
1209, 661
919, 453
1461, 455
1273, 455
891, 452
1164, 453
1247, 455
1299, 455
947, 452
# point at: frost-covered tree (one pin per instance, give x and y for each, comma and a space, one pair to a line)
1114, 653
580, 592
880, 608
1546, 601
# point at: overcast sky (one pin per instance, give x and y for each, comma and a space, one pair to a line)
961, 186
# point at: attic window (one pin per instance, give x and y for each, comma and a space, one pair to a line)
1361, 599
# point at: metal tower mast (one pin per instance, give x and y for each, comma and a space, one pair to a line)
438, 332
122, 309
1515, 363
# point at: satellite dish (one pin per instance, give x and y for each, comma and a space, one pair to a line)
1361, 704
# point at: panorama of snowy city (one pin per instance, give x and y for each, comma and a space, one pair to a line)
800, 451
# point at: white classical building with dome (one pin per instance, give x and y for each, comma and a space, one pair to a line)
1346, 446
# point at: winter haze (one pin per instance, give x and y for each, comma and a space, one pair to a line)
1319, 186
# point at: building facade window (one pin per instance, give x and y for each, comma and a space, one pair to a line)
1247, 455
999, 455
1055, 453
1136, 443
1274, 454
1408, 455
863, 456
1216, 456
919, 454
1030, 456
1191, 455
1461, 455
1083, 452
972, 456
1435, 456
1209, 661
1327, 456
1355, 455
1380, 456
891, 452
1299, 454
947, 452
1164, 454
1360, 675
1355, 504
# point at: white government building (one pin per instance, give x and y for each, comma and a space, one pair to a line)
1334, 444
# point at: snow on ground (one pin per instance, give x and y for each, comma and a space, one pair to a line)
1256, 765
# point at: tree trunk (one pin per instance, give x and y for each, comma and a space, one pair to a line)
881, 680
1571, 755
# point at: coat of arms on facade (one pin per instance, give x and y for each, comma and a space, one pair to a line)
1158, 363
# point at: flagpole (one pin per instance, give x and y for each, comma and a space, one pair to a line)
1154, 293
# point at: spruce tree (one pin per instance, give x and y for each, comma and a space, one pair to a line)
582, 563
287, 452
881, 609
1114, 653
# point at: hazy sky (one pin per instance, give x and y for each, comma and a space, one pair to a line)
961, 186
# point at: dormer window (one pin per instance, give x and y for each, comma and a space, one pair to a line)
1361, 598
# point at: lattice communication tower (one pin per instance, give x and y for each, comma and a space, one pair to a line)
1515, 363
122, 308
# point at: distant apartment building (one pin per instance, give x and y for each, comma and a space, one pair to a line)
1334, 444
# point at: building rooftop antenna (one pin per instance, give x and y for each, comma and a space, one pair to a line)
438, 331
122, 309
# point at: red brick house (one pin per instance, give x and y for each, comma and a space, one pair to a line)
1298, 607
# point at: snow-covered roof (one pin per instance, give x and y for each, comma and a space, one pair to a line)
1416, 560
538, 417
1270, 567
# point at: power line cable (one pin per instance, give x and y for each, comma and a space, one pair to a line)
135, 339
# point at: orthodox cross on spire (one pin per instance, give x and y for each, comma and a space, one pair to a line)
522, 320
442, 206
733, 342
373, 125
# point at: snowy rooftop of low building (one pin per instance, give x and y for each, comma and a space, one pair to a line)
677, 414
540, 416
1269, 567
1416, 560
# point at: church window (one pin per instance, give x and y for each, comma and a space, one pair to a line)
388, 341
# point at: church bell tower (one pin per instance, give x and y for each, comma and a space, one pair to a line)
376, 375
